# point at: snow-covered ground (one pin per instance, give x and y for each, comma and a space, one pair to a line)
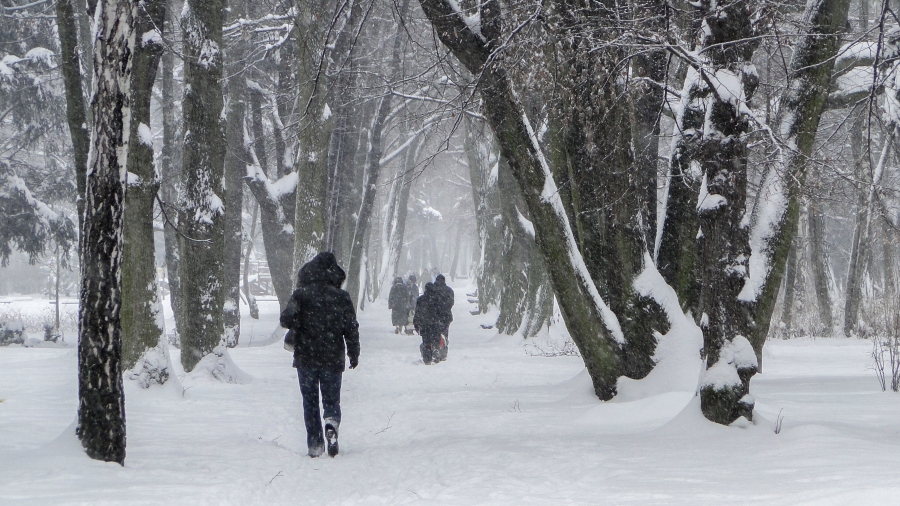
492, 425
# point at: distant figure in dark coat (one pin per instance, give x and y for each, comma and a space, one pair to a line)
446, 312
323, 319
413, 295
398, 303
428, 323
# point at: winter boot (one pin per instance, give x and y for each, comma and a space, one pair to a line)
332, 436
426, 353
316, 451
396, 330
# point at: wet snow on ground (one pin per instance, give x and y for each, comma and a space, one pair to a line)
492, 425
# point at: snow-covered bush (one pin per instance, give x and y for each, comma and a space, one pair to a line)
12, 332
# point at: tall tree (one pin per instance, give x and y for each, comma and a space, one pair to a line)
373, 168
315, 130
101, 399
236, 161
594, 328
142, 320
76, 114
202, 212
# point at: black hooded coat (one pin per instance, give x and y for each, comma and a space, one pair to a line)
447, 298
429, 320
322, 317
398, 303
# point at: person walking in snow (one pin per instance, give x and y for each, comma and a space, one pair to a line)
398, 303
428, 324
447, 298
323, 319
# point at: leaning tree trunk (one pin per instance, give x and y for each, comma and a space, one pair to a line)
144, 348
236, 160
101, 398
609, 190
202, 212
276, 216
76, 114
777, 210
315, 131
593, 327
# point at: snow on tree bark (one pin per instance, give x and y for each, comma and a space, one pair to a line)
594, 328
373, 169
101, 400
76, 114
236, 161
776, 212
170, 173
482, 161
275, 204
142, 319
609, 196
202, 213
315, 125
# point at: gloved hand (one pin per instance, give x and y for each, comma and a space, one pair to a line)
353, 363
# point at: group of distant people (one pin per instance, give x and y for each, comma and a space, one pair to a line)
323, 328
430, 314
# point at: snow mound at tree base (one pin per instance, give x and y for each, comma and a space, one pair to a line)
219, 365
153, 368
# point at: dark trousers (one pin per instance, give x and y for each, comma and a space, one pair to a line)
311, 382
431, 338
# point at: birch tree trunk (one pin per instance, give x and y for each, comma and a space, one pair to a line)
101, 399
144, 349
202, 212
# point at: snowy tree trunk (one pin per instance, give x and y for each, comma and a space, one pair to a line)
202, 212
315, 131
236, 161
790, 281
275, 216
609, 190
395, 225
101, 400
76, 114
859, 249
819, 256
649, 68
483, 176
251, 299
777, 210
170, 172
516, 253
373, 170
144, 350
593, 327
